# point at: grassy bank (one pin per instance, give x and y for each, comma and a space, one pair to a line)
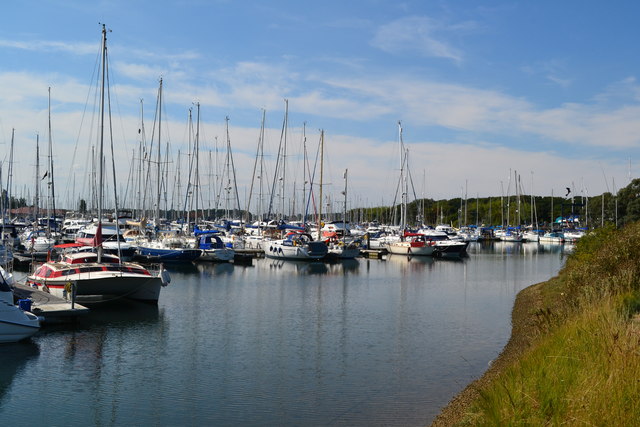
574, 354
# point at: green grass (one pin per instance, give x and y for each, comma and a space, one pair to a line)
582, 363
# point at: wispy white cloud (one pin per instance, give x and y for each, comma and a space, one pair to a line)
52, 46
418, 35
554, 70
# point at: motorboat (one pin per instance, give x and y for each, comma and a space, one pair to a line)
89, 276
15, 323
380, 240
213, 248
573, 234
552, 237
168, 250
443, 244
345, 248
70, 228
511, 235
37, 240
531, 236
112, 240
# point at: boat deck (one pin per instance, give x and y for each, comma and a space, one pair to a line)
50, 307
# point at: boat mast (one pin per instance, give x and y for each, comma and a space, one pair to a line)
284, 157
344, 214
10, 173
52, 191
157, 212
321, 175
37, 198
196, 154
101, 148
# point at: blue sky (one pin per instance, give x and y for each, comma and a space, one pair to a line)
547, 89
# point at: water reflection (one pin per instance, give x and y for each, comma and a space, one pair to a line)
215, 269
297, 267
14, 357
519, 248
409, 263
182, 267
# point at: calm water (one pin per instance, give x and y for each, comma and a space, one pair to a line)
365, 342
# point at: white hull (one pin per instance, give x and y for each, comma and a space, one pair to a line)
278, 249
406, 248
511, 238
15, 324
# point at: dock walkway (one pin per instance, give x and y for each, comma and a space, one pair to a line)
53, 309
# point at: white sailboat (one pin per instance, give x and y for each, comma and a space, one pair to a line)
340, 245
409, 243
298, 244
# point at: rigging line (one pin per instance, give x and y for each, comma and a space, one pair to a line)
113, 163
94, 76
312, 175
278, 159
255, 163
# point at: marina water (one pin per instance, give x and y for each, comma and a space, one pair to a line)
359, 342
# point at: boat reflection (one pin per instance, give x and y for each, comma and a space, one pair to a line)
298, 267
182, 267
122, 313
215, 269
343, 266
557, 248
411, 262
337, 267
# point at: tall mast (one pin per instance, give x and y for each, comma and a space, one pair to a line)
157, 213
344, 210
10, 173
37, 198
321, 176
196, 154
101, 148
303, 215
52, 191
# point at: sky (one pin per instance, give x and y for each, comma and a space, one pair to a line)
488, 94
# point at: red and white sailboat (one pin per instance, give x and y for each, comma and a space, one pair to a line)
412, 244
89, 272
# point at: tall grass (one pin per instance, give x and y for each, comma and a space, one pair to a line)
584, 366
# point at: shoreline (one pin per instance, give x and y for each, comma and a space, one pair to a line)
522, 328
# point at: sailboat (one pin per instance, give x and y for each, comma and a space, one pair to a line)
167, 245
339, 243
37, 240
410, 243
297, 244
89, 274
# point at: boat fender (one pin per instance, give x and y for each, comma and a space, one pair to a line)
164, 276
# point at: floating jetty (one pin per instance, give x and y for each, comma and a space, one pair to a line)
373, 253
51, 308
